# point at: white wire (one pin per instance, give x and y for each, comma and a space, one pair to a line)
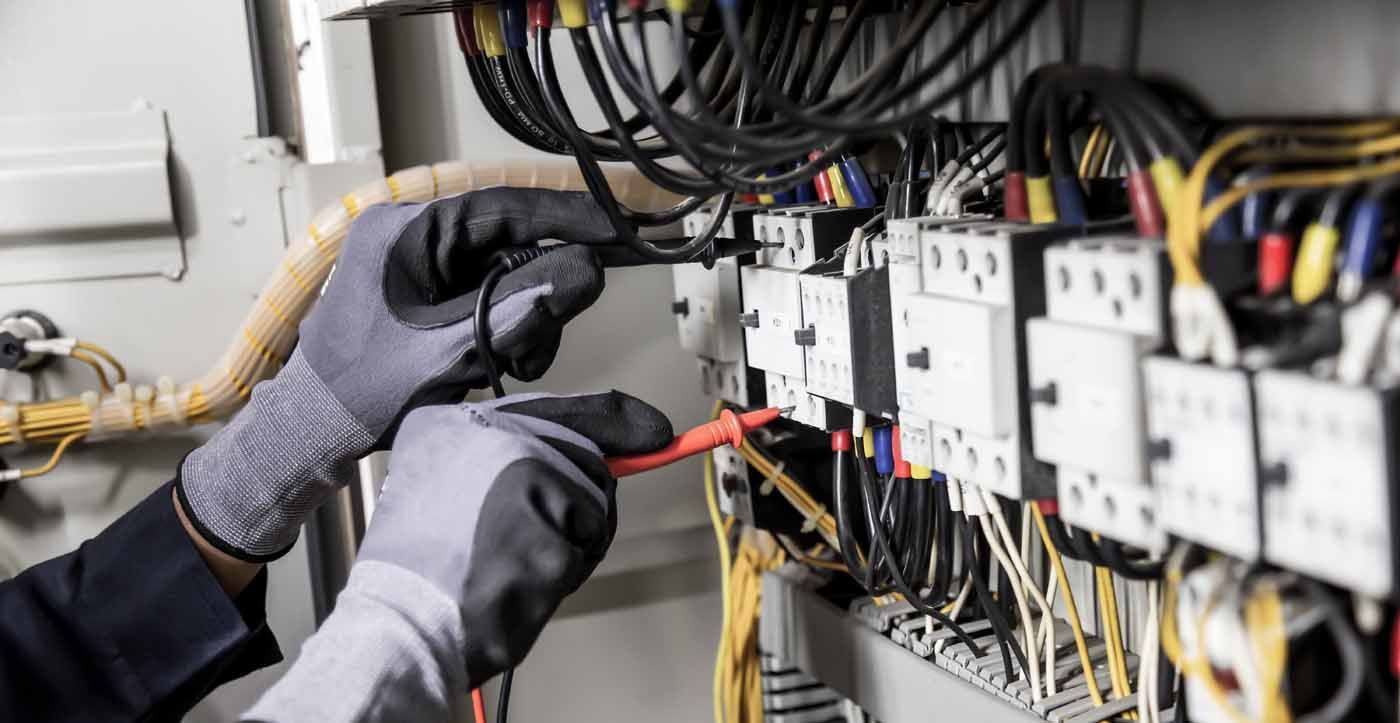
1027, 623
1047, 624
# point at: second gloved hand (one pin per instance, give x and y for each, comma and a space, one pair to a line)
491, 514
393, 330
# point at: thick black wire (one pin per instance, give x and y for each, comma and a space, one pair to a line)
1006, 640
1113, 554
503, 702
877, 533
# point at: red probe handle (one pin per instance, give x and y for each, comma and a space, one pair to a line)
728, 429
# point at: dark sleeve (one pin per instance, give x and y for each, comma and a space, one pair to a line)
130, 626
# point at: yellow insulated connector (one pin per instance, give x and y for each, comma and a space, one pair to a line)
867, 442
917, 471
1313, 271
839, 191
488, 30
1040, 199
1168, 178
574, 13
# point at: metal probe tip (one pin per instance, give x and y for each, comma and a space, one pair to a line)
770, 244
784, 411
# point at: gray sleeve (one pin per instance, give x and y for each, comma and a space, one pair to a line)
391, 651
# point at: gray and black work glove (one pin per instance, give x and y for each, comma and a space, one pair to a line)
492, 513
394, 330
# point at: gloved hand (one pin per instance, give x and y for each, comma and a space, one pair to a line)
491, 514
393, 331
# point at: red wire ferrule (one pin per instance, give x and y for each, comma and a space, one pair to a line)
841, 440
541, 14
1275, 261
1018, 206
1049, 507
1147, 211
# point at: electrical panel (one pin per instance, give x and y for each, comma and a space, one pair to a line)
1327, 454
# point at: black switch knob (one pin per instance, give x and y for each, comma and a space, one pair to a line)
1048, 395
805, 337
681, 307
917, 359
11, 350
1274, 474
749, 320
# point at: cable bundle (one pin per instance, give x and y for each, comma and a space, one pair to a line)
269, 331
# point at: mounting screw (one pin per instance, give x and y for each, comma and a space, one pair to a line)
805, 337
1159, 450
238, 217
917, 359
749, 320
1048, 395
681, 307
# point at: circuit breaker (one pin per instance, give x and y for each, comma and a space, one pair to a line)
706, 303
1200, 426
1104, 300
846, 338
806, 233
772, 313
1327, 458
980, 282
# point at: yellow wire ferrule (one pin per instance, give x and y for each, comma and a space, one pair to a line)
678, 6
1041, 199
920, 472
1168, 178
839, 191
765, 198
488, 30
867, 442
1313, 271
574, 13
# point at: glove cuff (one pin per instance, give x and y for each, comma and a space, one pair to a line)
248, 488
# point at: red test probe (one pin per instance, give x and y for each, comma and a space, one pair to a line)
730, 428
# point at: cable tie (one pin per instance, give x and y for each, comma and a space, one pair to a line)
142, 396
767, 487
166, 396
92, 402
813, 517
9, 416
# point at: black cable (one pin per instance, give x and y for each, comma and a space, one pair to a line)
1006, 640
877, 533
1113, 554
503, 701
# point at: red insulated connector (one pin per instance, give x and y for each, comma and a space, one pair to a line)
1275, 261
541, 14
730, 428
1142, 199
902, 468
637, 6
466, 31
1018, 207
841, 440
1049, 507
822, 182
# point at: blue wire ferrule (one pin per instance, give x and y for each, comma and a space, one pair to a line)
1227, 226
782, 198
1362, 241
514, 19
856, 180
1069, 200
939, 476
884, 450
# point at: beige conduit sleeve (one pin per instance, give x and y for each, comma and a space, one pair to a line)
269, 332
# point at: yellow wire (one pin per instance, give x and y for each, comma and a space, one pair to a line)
1085, 663
1090, 146
87, 359
1295, 179
1112, 644
1183, 212
1263, 615
57, 455
722, 543
95, 349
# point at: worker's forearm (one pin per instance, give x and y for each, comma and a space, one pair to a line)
233, 574
391, 651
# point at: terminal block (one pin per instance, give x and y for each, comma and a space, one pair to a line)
807, 233
846, 339
1201, 448
706, 303
813, 411
1327, 458
734, 382
965, 331
1117, 283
